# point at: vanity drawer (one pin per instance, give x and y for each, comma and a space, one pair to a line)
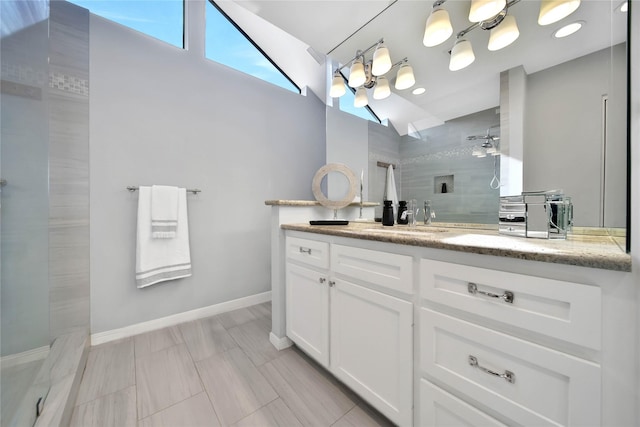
310, 252
563, 310
386, 269
547, 387
440, 408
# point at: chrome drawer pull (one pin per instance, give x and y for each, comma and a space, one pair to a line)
331, 283
322, 280
507, 296
508, 375
305, 250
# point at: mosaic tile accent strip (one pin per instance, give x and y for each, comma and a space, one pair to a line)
23, 74
69, 83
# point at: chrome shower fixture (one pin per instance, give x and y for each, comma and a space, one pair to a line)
490, 144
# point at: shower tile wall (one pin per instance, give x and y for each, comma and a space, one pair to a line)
384, 146
444, 150
69, 169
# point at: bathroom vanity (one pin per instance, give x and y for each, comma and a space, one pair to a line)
451, 325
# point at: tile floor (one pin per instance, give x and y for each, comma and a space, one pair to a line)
218, 371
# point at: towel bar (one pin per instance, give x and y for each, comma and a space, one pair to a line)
133, 188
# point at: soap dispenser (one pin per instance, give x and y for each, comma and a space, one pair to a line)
402, 216
387, 213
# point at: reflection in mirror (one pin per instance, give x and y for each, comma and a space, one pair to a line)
562, 126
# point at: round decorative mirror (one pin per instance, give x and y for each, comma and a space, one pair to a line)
324, 171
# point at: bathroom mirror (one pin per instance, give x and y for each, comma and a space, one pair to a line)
563, 146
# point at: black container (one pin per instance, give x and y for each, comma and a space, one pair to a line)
387, 213
401, 210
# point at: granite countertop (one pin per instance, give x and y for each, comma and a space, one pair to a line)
585, 250
312, 203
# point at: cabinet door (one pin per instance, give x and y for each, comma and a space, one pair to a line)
308, 311
372, 349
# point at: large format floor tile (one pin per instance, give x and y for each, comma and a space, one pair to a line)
234, 385
237, 317
206, 337
165, 378
195, 411
113, 410
253, 339
218, 371
274, 414
315, 399
110, 368
156, 340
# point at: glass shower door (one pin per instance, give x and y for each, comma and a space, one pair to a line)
24, 211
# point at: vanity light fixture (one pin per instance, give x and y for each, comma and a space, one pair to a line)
554, 10
361, 99
504, 34
482, 10
568, 29
337, 85
461, 55
438, 28
357, 76
488, 15
405, 78
365, 75
382, 89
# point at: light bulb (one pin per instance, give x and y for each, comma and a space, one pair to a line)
361, 98
554, 10
461, 55
356, 74
438, 28
381, 60
337, 86
504, 34
405, 78
382, 89
483, 10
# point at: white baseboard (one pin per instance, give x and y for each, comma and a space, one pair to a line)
174, 319
25, 357
280, 343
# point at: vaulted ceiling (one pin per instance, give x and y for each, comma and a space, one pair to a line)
299, 34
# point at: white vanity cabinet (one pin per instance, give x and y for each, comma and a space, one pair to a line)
348, 312
508, 348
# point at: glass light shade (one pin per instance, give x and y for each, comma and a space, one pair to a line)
405, 78
554, 10
504, 34
382, 89
482, 10
438, 28
361, 99
356, 74
381, 60
337, 86
461, 55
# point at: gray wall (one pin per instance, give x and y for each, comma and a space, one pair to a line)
162, 115
567, 153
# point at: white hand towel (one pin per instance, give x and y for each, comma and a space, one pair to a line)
158, 260
164, 211
390, 190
